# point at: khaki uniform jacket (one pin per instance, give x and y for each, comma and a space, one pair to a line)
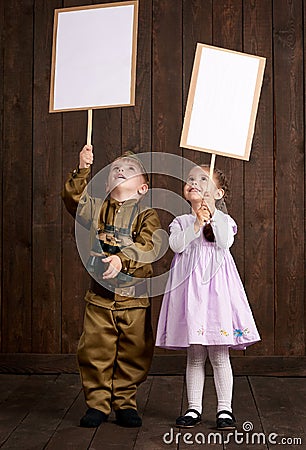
137, 254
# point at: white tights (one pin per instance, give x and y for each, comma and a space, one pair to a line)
195, 375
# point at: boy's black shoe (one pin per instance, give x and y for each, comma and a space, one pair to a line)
128, 418
93, 418
186, 421
226, 423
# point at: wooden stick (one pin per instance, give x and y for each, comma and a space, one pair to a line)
212, 165
89, 127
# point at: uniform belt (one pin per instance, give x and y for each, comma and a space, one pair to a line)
134, 291
111, 249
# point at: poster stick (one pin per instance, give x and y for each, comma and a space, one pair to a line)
212, 165
89, 126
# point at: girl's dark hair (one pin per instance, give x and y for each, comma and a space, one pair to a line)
220, 204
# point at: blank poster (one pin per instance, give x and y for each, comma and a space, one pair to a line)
94, 56
222, 102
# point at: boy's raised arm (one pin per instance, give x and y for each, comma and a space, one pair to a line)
73, 189
77, 180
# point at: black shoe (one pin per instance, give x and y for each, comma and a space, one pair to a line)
93, 418
128, 418
225, 423
186, 421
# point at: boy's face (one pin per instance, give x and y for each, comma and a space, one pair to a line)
125, 176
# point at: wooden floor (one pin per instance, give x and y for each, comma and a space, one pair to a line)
43, 411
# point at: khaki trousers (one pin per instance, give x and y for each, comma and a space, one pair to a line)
114, 355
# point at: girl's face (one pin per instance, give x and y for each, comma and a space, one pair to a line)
200, 187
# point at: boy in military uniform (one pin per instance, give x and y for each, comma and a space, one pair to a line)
116, 347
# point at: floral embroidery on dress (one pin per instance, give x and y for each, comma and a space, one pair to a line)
201, 331
224, 333
238, 332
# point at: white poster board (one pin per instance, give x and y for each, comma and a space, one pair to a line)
94, 57
222, 102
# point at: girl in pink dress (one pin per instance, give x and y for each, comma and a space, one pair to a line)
205, 307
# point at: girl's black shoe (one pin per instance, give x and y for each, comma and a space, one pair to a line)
186, 421
225, 423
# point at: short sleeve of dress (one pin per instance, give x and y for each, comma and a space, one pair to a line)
233, 224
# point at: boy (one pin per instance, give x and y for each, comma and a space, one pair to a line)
116, 347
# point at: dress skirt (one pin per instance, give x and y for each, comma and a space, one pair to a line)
205, 301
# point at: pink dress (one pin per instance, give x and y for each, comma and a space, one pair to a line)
205, 301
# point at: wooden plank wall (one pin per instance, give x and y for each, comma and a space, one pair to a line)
43, 280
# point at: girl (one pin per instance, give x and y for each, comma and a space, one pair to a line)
205, 308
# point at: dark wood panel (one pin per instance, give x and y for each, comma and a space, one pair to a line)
166, 106
242, 365
17, 176
43, 279
304, 95
107, 133
164, 400
47, 176
136, 120
69, 432
1, 153
167, 364
20, 402
289, 173
51, 402
127, 437
107, 137
29, 363
9, 383
167, 76
227, 33
274, 407
245, 410
274, 398
75, 281
197, 27
74, 278
259, 184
